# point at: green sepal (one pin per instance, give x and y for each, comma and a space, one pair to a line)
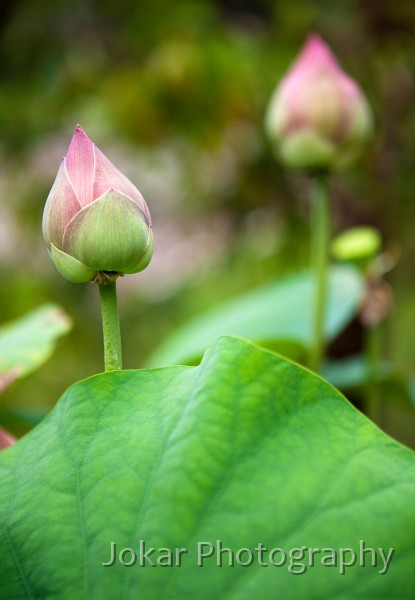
307, 149
145, 258
69, 267
110, 234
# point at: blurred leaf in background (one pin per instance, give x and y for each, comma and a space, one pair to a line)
273, 315
26, 344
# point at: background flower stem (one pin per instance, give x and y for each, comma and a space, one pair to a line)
110, 326
373, 356
320, 232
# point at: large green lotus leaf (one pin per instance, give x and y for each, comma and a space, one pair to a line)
278, 311
246, 448
25, 344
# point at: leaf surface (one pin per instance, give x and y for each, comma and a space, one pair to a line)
246, 448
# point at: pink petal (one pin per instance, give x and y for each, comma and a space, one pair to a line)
107, 176
6, 439
61, 205
315, 62
316, 54
80, 165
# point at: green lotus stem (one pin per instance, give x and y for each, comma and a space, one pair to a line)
373, 355
320, 232
110, 326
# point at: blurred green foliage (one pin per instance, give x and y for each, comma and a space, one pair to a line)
174, 93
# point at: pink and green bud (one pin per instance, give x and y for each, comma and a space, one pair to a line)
95, 221
318, 117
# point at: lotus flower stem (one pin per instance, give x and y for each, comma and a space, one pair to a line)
320, 232
373, 355
110, 326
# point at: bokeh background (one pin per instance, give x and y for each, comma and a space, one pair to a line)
174, 93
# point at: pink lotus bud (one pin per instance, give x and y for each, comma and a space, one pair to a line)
318, 117
95, 221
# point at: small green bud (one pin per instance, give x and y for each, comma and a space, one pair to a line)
358, 244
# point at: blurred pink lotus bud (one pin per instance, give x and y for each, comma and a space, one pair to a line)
6, 439
318, 117
95, 221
